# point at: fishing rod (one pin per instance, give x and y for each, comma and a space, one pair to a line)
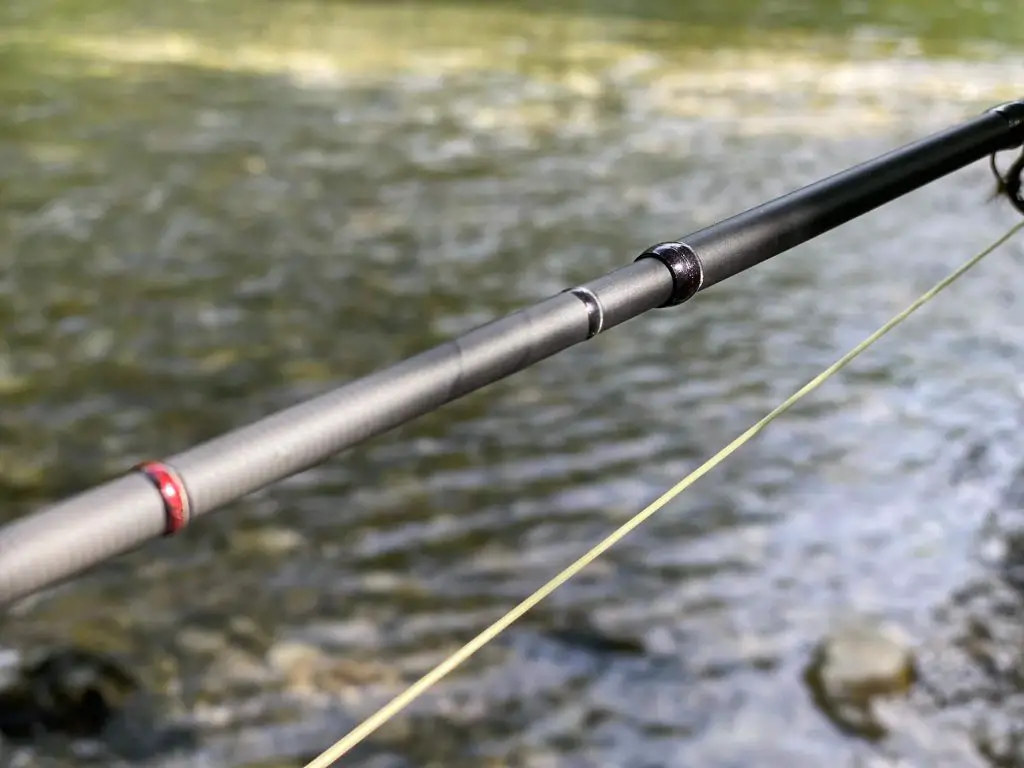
160, 498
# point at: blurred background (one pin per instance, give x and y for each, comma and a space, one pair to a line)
210, 210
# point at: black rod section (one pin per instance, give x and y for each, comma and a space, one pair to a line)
65, 538
749, 238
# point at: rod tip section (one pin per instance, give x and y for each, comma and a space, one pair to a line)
1013, 111
684, 265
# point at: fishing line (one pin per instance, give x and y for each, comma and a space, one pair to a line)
435, 675
1010, 184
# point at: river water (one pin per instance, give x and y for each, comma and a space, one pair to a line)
209, 211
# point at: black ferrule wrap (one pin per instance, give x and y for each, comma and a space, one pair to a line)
684, 264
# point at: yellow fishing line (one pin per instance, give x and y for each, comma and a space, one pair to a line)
400, 702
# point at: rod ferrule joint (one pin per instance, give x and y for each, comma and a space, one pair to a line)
177, 506
684, 265
595, 310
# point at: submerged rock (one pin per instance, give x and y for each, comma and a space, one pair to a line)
308, 669
859, 662
581, 631
69, 691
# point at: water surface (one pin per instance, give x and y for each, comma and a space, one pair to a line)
213, 210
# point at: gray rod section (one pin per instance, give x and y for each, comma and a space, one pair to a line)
40, 550
68, 537
228, 467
